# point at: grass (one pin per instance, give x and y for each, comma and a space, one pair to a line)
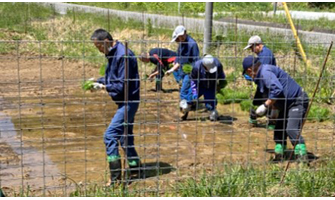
229, 95
318, 113
244, 10
196, 7
230, 180
322, 24
254, 181
186, 8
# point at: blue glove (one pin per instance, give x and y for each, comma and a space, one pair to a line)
248, 78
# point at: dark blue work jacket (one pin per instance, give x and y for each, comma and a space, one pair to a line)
206, 80
267, 57
115, 74
187, 53
276, 84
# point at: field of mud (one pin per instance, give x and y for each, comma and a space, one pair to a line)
51, 135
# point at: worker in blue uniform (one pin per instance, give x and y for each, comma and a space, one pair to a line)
114, 83
162, 58
187, 53
265, 55
207, 78
284, 94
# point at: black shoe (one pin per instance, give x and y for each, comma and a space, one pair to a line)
115, 172
2, 194
278, 158
184, 116
135, 170
301, 158
159, 87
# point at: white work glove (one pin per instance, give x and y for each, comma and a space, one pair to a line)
184, 106
151, 78
168, 72
214, 115
261, 110
98, 86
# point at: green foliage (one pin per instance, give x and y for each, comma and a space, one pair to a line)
185, 7
187, 68
312, 6
87, 85
102, 69
149, 28
242, 6
319, 114
246, 105
228, 95
244, 10
321, 5
237, 181
28, 12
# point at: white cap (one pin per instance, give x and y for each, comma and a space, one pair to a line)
208, 62
178, 31
253, 40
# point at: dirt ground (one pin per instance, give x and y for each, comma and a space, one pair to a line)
61, 129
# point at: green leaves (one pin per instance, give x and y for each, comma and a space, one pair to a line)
187, 68
102, 70
319, 114
228, 95
87, 85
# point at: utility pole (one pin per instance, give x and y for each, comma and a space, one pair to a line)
178, 7
208, 26
274, 8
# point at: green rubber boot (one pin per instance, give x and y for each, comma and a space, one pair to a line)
300, 153
135, 167
271, 127
279, 152
253, 121
280, 149
300, 149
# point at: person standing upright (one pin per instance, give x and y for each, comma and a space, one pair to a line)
114, 83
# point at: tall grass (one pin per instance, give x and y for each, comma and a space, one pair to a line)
244, 181
239, 181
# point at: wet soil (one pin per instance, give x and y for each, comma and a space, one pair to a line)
61, 123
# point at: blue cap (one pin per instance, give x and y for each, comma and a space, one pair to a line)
248, 62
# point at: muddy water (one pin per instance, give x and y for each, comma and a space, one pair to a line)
27, 166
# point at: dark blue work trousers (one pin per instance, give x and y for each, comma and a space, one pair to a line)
289, 121
115, 132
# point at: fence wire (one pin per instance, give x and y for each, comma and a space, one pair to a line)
52, 131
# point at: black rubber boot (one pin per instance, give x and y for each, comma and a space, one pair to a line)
184, 116
2, 194
115, 171
135, 168
159, 85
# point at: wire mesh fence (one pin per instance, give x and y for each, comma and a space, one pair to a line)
52, 131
